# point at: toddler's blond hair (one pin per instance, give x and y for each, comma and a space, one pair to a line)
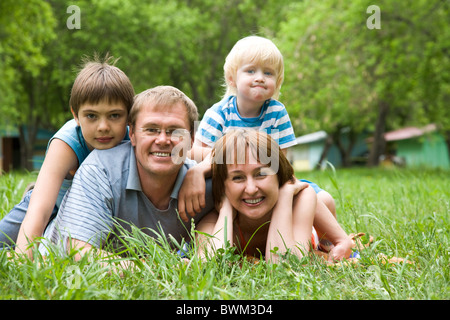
253, 49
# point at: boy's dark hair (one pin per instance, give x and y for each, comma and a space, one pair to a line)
99, 80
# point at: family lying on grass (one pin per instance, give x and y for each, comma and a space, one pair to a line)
243, 191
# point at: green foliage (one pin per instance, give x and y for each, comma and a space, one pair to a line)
26, 27
339, 70
173, 42
12, 187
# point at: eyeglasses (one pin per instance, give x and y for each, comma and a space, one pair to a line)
172, 134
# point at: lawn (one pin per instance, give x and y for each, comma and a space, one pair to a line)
406, 211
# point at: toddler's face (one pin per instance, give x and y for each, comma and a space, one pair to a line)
255, 82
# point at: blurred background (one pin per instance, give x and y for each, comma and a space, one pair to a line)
366, 81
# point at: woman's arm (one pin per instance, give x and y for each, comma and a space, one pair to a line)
219, 226
59, 161
291, 224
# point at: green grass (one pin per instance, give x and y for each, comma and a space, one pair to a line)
406, 211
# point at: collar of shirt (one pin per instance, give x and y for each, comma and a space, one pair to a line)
233, 104
133, 182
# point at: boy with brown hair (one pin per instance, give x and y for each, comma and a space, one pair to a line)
134, 184
100, 101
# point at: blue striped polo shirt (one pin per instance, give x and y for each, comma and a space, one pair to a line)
224, 116
106, 191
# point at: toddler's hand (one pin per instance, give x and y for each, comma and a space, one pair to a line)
341, 250
191, 197
293, 186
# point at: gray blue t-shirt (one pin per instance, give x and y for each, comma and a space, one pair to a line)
106, 190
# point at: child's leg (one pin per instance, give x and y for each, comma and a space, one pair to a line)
323, 221
10, 224
328, 203
330, 233
333, 238
325, 210
328, 200
325, 205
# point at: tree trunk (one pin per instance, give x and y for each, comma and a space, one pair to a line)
345, 151
326, 148
447, 141
28, 132
379, 144
27, 138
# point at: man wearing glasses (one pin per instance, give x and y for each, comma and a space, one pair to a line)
135, 183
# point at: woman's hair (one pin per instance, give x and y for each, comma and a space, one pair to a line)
253, 49
99, 80
234, 148
163, 96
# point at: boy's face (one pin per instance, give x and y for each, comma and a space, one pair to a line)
103, 125
255, 82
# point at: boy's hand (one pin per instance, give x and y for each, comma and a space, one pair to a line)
191, 198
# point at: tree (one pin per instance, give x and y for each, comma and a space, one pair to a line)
324, 87
345, 74
26, 27
170, 42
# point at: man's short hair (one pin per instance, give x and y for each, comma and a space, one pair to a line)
167, 96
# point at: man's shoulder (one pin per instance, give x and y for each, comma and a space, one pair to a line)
112, 157
109, 166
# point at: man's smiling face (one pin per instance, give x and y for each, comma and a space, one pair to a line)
155, 135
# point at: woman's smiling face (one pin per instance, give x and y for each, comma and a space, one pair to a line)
252, 188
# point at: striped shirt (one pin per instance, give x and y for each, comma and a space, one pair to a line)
224, 116
106, 193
